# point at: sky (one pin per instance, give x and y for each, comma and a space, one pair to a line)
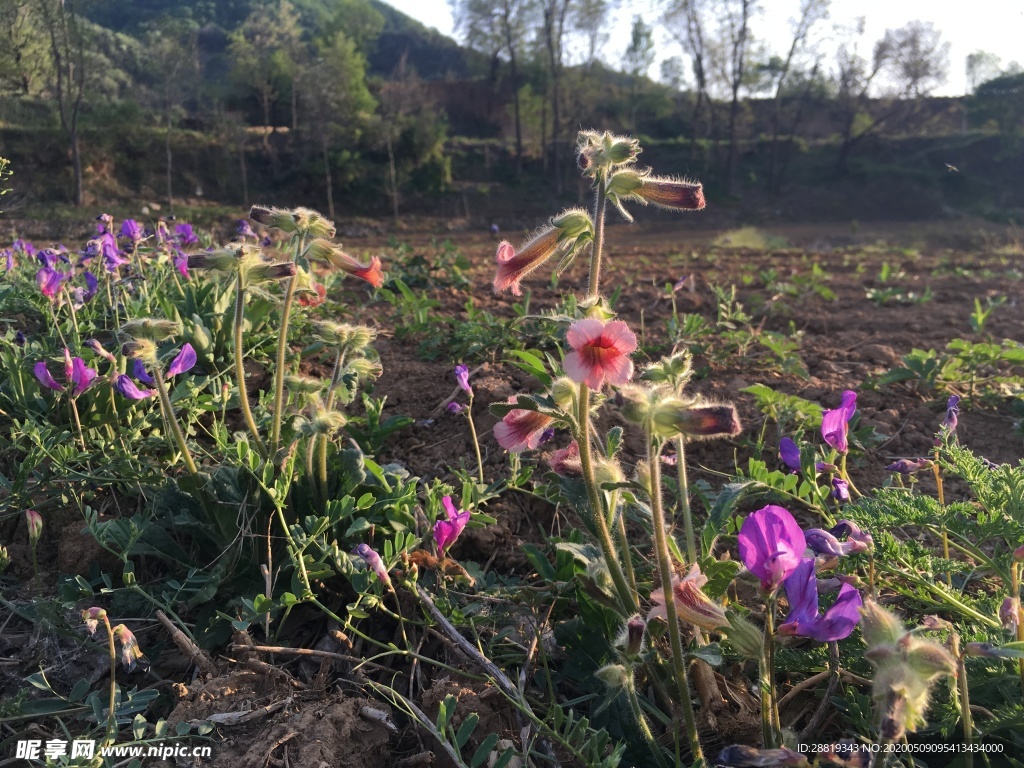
996, 26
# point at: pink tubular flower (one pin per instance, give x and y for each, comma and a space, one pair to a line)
566, 461
447, 531
371, 272
672, 194
600, 352
520, 429
513, 266
692, 605
835, 424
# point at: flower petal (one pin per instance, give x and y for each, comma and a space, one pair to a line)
43, 374
183, 362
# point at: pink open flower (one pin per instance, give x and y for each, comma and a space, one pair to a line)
447, 531
521, 429
600, 352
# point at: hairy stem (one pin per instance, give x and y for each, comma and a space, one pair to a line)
600, 203
684, 498
179, 436
665, 571
282, 350
243, 393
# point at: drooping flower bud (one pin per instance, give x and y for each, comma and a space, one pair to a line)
373, 562
566, 461
692, 605
673, 194
96, 347
224, 260
696, 421
140, 349
313, 224
264, 273
34, 522
278, 218
745, 638
631, 636
149, 328
131, 653
615, 676
92, 617
1009, 613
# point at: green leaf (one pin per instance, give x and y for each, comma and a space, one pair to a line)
466, 729
483, 751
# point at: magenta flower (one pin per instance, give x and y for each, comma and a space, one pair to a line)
804, 621
180, 260
186, 236
824, 542
455, 408
131, 230
789, 453
140, 373
909, 466
183, 361
447, 531
34, 523
521, 429
462, 377
835, 424
50, 281
600, 352
771, 544
79, 377
92, 285
1009, 613
129, 389
131, 653
850, 530
373, 562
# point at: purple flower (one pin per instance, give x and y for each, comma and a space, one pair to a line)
78, 375
183, 362
952, 411
850, 530
771, 544
373, 562
128, 388
840, 489
245, 230
835, 424
181, 263
185, 234
462, 377
50, 281
106, 246
1009, 613
131, 230
91, 285
827, 543
546, 436
24, 246
162, 234
49, 257
803, 620
447, 531
19, 339
790, 454
909, 466
106, 223
454, 407
139, 372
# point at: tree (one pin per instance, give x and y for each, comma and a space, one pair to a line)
589, 19
1000, 101
685, 21
555, 14
919, 59
67, 32
24, 52
497, 27
638, 60
735, 19
337, 101
981, 66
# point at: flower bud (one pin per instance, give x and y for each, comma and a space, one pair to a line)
225, 260
309, 222
572, 223
141, 349
304, 385
1009, 613
705, 421
92, 617
326, 422
151, 329
563, 392
365, 368
878, 626
620, 150
566, 461
319, 250
615, 676
745, 638
625, 183
262, 273
929, 659
34, 522
631, 637
5, 559
278, 218
96, 347
675, 370
1018, 555
672, 194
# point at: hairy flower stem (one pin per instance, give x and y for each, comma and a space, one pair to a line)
282, 349
476, 442
665, 570
770, 725
111, 716
684, 498
322, 440
243, 393
604, 537
600, 204
179, 436
1015, 593
643, 725
314, 488
627, 558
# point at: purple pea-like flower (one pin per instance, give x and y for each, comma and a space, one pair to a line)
131, 230
20, 339
50, 281
909, 466
129, 389
92, 285
8, 254
462, 377
78, 375
1009, 613
181, 263
824, 542
455, 408
183, 361
546, 436
448, 530
789, 452
804, 621
850, 530
106, 246
24, 246
42, 373
771, 544
948, 426
140, 373
186, 235
835, 424
840, 490
373, 562
246, 230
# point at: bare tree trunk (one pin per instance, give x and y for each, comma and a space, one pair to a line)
515, 102
739, 52
245, 167
76, 161
394, 176
170, 164
330, 183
